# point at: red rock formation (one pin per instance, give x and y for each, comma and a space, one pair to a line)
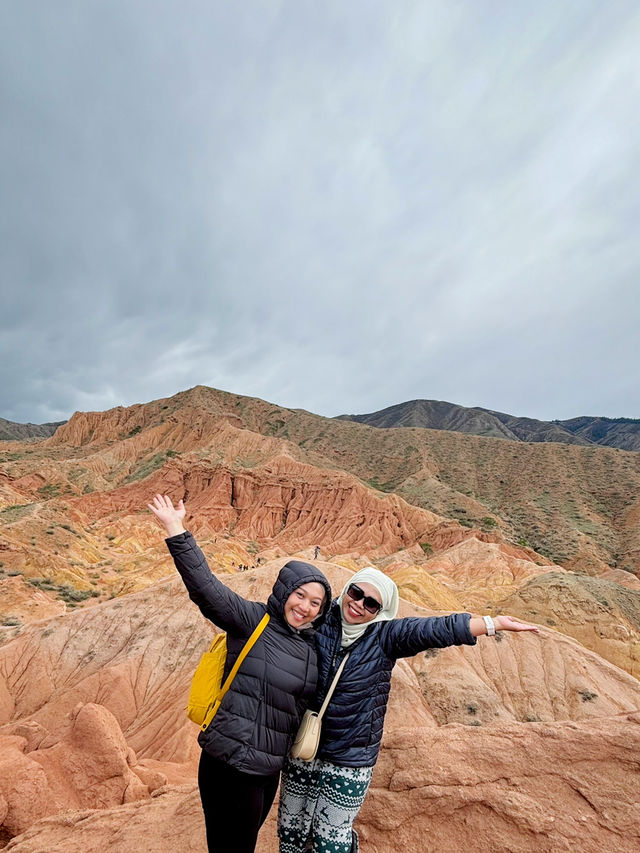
573, 501
116, 677
509, 789
553, 788
291, 505
170, 820
89, 766
111, 680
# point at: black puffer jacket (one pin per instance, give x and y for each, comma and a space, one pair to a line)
354, 719
260, 713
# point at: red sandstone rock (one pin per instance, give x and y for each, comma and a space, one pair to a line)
170, 820
534, 788
288, 504
509, 789
129, 661
87, 767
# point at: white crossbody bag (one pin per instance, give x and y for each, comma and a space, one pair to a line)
307, 739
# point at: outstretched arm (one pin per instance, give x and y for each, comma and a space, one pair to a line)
405, 637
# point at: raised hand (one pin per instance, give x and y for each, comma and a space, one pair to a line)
170, 517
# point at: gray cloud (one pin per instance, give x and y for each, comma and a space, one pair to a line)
335, 207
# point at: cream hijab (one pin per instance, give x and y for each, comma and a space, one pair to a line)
390, 600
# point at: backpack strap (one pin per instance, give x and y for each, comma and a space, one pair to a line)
262, 624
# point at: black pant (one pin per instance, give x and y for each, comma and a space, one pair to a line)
235, 805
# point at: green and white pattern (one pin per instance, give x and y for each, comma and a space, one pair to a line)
318, 803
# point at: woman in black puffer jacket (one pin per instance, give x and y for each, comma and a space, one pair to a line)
244, 747
320, 799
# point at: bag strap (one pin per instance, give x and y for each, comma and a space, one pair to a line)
327, 698
262, 624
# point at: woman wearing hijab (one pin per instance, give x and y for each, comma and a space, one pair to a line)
320, 799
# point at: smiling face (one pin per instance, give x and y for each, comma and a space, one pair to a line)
354, 612
304, 604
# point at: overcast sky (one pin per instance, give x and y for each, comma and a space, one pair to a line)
335, 206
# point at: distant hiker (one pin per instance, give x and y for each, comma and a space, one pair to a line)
316, 552
244, 746
315, 809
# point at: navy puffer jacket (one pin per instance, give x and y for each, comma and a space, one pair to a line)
259, 715
353, 722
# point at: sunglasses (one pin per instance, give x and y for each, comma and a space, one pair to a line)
357, 594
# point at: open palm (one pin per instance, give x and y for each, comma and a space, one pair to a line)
506, 623
170, 516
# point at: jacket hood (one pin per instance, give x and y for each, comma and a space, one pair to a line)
292, 575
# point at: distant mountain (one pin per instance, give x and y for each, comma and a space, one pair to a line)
622, 433
10, 431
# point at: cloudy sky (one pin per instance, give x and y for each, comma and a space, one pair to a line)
335, 206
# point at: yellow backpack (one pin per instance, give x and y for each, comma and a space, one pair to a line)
207, 691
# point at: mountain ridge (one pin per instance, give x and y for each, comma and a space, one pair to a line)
14, 431
621, 433
573, 504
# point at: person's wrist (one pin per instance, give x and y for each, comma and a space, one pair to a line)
497, 621
489, 625
175, 528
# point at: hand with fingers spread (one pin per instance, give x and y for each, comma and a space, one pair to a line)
170, 517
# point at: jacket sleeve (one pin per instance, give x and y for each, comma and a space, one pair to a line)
217, 602
402, 638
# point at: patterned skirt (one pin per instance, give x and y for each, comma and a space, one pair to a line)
319, 802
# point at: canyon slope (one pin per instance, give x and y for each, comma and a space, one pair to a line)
477, 517
98, 639
574, 504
